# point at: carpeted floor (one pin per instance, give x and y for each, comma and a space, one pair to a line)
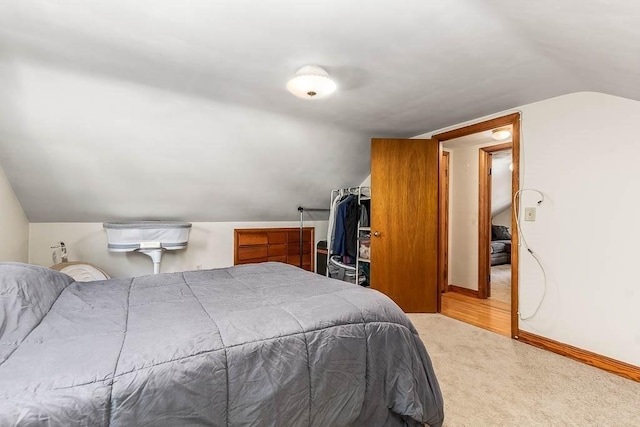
491, 380
501, 283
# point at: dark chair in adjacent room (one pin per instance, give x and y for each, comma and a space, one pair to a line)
500, 245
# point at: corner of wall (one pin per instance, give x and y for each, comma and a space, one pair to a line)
14, 224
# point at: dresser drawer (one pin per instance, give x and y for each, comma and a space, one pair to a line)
253, 245
295, 259
294, 249
277, 237
252, 238
276, 250
294, 236
252, 252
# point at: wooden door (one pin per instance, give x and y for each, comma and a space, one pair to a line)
404, 222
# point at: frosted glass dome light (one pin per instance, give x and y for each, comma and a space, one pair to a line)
501, 134
311, 82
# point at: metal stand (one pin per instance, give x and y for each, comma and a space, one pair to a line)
156, 257
362, 193
302, 211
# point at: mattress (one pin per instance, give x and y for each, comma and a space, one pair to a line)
257, 345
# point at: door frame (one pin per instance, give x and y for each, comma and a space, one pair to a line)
443, 222
514, 121
484, 215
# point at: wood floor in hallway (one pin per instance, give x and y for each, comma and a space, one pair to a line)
488, 314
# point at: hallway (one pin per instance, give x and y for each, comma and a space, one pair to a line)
488, 314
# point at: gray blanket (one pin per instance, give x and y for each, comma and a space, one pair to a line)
256, 345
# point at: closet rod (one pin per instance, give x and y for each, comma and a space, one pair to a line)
301, 209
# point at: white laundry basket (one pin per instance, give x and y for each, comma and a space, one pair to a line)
345, 272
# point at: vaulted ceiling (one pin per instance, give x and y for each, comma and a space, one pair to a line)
115, 109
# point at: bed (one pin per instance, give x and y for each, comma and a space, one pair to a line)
258, 345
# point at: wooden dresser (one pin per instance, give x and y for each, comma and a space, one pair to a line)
274, 244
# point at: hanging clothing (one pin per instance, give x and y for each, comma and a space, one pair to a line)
331, 233
347, 213
365, 209
351, 228
340, 240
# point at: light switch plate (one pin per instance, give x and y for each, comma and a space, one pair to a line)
529, 214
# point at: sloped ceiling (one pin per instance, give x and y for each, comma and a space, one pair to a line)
114, 109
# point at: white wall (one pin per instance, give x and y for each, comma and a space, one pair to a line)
581, 150
210, 245
463, 217
14, 227
501, 191
503, 218
500, 184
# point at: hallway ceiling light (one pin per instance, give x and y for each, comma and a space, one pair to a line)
500, 134
311, 82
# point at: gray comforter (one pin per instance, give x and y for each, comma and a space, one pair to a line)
260, 345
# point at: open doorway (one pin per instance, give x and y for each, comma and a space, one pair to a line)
494, 224
471, 241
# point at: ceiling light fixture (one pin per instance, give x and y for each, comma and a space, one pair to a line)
500, 134
311, 82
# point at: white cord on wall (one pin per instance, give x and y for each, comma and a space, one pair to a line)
522, 240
